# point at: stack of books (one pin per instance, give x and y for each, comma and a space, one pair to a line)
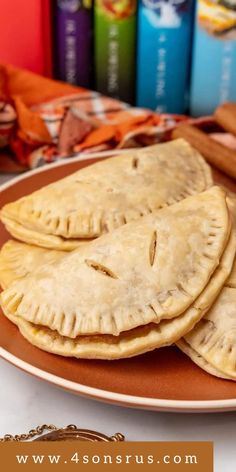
172, 56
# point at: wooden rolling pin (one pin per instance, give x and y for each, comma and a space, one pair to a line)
225, 116
215, 153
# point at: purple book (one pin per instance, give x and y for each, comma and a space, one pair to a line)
74, 41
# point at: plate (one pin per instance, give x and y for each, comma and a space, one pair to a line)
164, 379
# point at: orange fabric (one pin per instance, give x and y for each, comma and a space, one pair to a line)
34, 89
100, 135
30, 124
119, 130
35, 118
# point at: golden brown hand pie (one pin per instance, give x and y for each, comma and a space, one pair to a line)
214, 338
141, 273
19, 259
199, 360
138, 340
212, 343
106, 195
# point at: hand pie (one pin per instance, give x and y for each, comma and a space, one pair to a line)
212, 343
141, 273
101, 197
138, 340
189, 351
18, 260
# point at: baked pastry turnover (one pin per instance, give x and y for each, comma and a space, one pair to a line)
101, 197
125, 256
212, 343
139, 287
19, 259
135, 341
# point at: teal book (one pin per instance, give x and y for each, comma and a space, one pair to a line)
164, 54
214, 56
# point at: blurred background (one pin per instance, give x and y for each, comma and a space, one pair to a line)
83, 76
171, 56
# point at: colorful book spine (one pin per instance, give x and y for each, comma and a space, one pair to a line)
163, 54
25, 35
115, 42
214, 56
74, 41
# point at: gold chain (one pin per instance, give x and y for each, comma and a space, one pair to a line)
33, 432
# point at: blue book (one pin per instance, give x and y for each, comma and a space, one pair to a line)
214, 56
163, 54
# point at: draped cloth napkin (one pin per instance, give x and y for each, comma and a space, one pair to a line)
43, 120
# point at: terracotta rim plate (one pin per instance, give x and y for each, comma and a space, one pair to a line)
164, 379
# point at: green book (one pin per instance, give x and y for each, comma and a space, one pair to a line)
115, 42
